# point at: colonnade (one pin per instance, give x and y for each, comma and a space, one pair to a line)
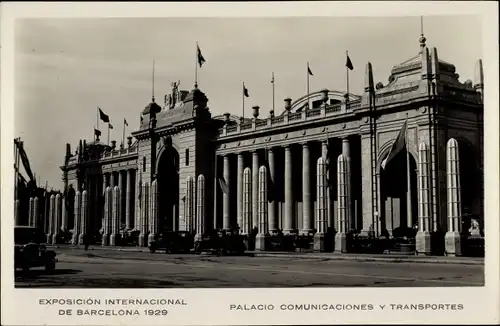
247, 189
127, 183
148, 218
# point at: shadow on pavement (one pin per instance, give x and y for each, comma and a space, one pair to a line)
33, 273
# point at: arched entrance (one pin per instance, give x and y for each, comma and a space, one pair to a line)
168, 188
393, 193
470, 183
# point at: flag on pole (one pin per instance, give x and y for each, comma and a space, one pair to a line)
97, 132
110, 126
397, 147
125, 122
245, 91
326, 159
201, 59
272, 79
223, 185
309, 70
139, 196
104, 117
348, 63
271, 191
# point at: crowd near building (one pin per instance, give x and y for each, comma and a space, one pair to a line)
406, 154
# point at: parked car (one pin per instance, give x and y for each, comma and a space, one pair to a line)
173, 242
221, 242
29, 251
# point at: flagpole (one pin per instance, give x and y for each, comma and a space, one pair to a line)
307, 73
347, 73
97, 122
108, 134
196, 67
408, 183
243, 98
273, 92
123, 137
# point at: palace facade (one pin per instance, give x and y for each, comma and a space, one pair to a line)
312, 167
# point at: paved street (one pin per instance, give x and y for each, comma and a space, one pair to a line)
118, 269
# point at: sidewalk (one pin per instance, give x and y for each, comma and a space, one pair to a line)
394, 258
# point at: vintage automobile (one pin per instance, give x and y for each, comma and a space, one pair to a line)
221, 242
29, 251
173, 242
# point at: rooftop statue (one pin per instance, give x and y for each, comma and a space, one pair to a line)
173, 97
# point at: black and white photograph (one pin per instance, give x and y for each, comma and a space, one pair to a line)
248, 153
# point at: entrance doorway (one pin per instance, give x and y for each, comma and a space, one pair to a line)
168, 189
394, 193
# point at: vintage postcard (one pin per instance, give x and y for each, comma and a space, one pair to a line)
249, 163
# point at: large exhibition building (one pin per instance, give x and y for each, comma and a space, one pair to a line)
400, 155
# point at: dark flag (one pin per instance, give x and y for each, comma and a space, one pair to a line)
201, 59
348, 63
97, 132
326, 160
104, 117
125, 122
272, 79
398, 145
270, 182
245, 91
309, 70
139, 196
223, 186
110, 126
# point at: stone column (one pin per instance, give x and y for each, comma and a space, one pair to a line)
138, 201
57, 219
108, 209
104, 186
84, 217
306, 190
114, 239
288, 225
239, 194
328, 206
77, 214
378, 213
64, 214
128, 201
342, 204
201, 213
321, 205
36, 211
153, 211
51, 218
112, 179
423, 237
366, 184
255, 189
260, 240
144, 215
226, 221
121, 186
247, 201
273, 217
188, 214
453, 236
216, 191
346, 152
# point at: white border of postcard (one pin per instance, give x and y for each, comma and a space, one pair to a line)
211, 306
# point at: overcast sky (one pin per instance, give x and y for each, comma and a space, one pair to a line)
66, 68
